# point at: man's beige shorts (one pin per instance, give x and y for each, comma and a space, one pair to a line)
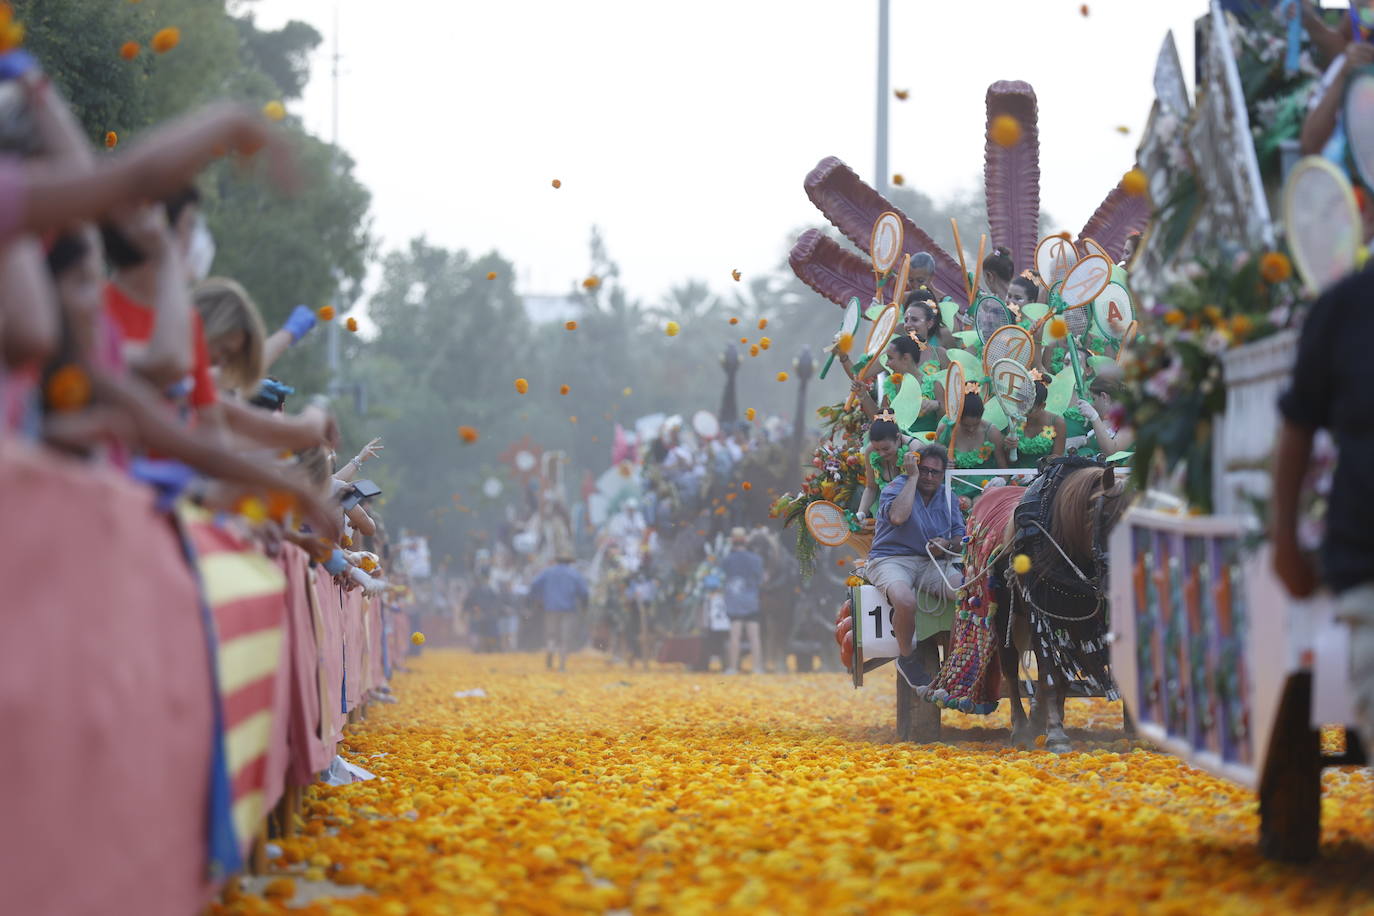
919, 573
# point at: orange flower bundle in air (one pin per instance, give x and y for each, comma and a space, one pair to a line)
280, 504
734, 321
563, 389
754, 350
765, 342
1135, 183
129, 50
735, 274
418, 639
591, 282
746, 486
69, 388
491, 275
111, 139
749, 413
782, 376
557, 184
570, 325
11, 32
166, 39
251, 508
1005, 131
325, 312
899, 179
468, 434
744, 340
572, 419
672, 328
901, 94
763, 323
521, 385
1275, 267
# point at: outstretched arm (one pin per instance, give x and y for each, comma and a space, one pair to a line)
1291, 460
57, 194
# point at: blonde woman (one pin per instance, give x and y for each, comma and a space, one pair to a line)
237, 341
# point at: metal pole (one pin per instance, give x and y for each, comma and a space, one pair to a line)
881, 178
332, 335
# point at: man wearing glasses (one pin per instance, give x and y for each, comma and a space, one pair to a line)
917, 536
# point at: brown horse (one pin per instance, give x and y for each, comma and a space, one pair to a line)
1059, 602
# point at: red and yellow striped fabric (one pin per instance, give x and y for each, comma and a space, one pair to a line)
246, 594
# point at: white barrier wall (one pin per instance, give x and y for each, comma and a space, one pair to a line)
1199, 642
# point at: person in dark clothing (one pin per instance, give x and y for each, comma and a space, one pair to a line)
484, 608
1333, 389
743, 572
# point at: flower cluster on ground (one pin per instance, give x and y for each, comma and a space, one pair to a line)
654, 792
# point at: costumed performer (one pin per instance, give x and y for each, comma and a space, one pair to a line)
978, 444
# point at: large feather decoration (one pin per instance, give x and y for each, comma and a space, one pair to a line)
1119, 215
852, 206
1011, 174
831, 270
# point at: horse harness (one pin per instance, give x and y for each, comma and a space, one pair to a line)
1076, 643
1033, 522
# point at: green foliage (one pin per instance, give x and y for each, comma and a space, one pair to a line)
1175, 383
283, 56
309, 250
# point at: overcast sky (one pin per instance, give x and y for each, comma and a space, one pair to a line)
684, 130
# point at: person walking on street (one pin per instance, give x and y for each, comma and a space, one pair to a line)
561, 591
743, 571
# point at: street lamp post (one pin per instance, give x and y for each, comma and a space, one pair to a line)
803, 366
880, 179
729, 402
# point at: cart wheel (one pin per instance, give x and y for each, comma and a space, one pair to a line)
1290, 793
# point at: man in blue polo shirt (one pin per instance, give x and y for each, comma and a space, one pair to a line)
918, 530
561, 591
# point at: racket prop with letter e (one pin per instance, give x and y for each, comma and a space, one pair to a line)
1014, 389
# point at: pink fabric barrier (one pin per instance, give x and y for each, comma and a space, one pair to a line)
105, 698
375, 636
307, 753
354, 642
331, 656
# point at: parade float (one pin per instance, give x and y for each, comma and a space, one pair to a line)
1218, 665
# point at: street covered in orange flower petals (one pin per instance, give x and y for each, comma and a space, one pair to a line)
610, 790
